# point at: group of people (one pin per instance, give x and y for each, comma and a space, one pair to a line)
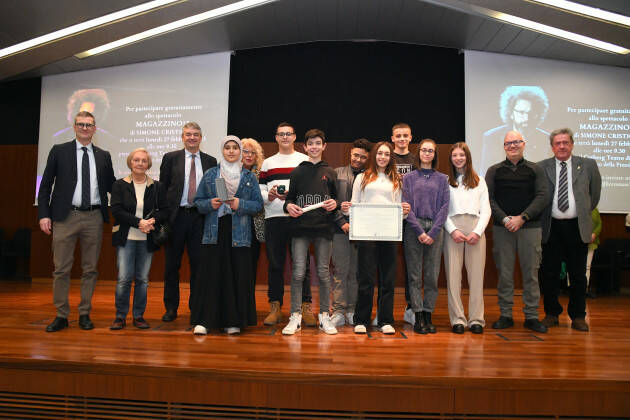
221, 211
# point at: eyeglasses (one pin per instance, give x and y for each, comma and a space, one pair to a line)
427, 151
84, 125
249, 152
513, 143
286, 134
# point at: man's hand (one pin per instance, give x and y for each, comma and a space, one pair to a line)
45, 225
345, 227
473, 238
458, 236
515, 223
425, 239
294, 210
273, 194
329, 205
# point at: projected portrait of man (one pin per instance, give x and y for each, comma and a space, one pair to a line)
94, 101
522, 109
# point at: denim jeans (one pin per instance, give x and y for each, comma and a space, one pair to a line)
299, 253
133, 262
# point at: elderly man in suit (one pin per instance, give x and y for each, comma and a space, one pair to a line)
82, 175
568, 226
180, 173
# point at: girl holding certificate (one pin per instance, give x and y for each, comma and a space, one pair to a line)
379, 184
426, 190
468, 216
223, 298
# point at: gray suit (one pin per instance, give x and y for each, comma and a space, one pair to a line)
566, 240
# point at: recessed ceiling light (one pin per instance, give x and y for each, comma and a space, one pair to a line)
587, 11
80, 27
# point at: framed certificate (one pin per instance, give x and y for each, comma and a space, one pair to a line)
376, 222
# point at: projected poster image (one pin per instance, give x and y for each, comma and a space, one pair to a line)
535, 96
139, 105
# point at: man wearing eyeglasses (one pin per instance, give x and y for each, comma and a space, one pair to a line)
180, 173
82, 175
518, 194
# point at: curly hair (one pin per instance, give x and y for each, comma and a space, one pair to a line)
534, 94
256, 147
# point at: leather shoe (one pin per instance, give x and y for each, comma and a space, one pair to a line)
430, 327
550, 321
85, 322
503, 322
118, 324
476, 329
458, 329
579, 324
57, 324
535, 325
169, 315
420, 326
140, 323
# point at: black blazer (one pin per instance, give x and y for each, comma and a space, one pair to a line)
172, 176
124, 209
61, 170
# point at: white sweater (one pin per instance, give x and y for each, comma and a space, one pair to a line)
378, 192
276, 170
473, 201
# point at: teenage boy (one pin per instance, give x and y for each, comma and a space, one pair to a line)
344, 253
313, 184
274, 185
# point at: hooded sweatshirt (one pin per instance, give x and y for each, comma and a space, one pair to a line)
312, 183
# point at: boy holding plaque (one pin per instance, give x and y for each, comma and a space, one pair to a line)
311, 203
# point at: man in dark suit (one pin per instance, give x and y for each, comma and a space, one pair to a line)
568, 226
82, 175
181, 172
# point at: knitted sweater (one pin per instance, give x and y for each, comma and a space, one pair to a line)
427, 193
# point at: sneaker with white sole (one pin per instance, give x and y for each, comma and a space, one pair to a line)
387, 329
294, 325
350, 318
325, 323
360, 329
200, 330
338, 320
375, 320
410, 316
233, 330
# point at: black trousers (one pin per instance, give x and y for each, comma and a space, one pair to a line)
186, 232
564, 244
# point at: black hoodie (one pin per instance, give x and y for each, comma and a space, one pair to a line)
311, 184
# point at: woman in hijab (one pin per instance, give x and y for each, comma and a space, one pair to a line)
225, 299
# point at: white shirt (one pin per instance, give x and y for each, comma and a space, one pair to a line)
379, 191
473, 201
95, 197
571, 212
198, 170
136, 234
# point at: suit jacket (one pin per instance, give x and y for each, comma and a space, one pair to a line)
172, 176
587, 185
61, 170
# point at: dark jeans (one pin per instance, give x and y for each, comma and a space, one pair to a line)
278, 238
186, 232
375, 255
564, 244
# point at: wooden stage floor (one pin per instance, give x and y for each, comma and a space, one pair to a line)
166, 372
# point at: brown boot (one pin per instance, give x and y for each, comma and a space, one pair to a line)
307, 315
275, 314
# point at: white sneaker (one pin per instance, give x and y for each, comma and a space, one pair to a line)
387, 329
233, 330
338, 320
294, 325
350, 318
325, 323
375, 320
200, 330
410, 316
360, 329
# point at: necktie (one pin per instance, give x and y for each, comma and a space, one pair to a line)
192, 181
85, 179
563, 189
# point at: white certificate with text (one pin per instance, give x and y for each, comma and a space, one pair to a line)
376, 222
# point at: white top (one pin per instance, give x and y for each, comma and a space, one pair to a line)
95, 196
473, 201
136, 234
571, 212
380, 191
198, 173
276, 170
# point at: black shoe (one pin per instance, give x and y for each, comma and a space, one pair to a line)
118, 324
140, 323
459, 328
58, 324
420, 326
535, 325
503, 322
85, 323
169, 315
430, 327
476, 329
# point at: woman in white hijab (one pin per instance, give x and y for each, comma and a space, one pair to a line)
224, 299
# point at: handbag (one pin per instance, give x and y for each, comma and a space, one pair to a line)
162, 231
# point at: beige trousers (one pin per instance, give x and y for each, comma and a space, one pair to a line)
474, 257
